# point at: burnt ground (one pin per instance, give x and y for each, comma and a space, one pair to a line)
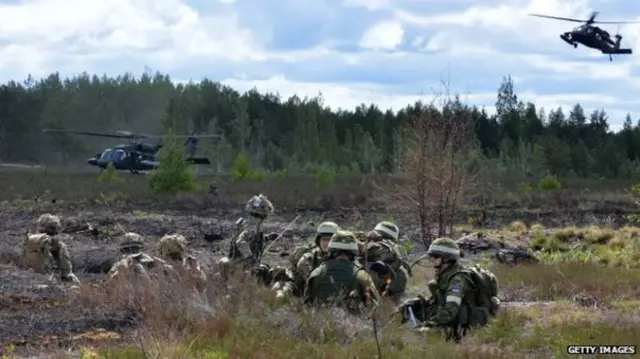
38, 313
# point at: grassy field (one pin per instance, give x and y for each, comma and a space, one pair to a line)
573, 304
578, 195
585, 291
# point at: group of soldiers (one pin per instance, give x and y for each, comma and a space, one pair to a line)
339, 267
45, 252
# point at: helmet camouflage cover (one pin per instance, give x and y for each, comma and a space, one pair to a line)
172, 244
47, 222
326, 229
131, 240
344, 241
260, 206
388, 230
444, 247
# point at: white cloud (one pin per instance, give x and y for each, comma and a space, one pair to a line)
346, 96
385, 35
165, 31
370, 5
353, 51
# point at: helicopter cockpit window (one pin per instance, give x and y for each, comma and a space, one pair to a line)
106, 154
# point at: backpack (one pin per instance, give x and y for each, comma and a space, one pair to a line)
486, 286
298, 252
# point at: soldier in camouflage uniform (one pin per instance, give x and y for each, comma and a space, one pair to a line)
173, 249
247, 247
384, 252
340, 279
135, 262
307, 261
44, 250
455, 296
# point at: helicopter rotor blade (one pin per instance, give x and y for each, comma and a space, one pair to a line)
616, 22
558, 18
95, 134
189, 136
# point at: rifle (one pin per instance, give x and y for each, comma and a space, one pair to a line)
265, 250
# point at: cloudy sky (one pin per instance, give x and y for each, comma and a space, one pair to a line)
389, 52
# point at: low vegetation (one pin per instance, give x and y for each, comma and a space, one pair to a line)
245, 321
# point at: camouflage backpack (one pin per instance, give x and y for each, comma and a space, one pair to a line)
300, 251
486, 288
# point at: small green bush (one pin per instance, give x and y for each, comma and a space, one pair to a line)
549, 183
241, 167
280, 175
110, 174
172, 176
325, 177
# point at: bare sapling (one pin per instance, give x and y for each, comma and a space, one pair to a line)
438, 166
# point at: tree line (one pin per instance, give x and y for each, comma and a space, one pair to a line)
300, 134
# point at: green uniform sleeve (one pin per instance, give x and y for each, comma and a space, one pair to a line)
366, 287
447, 314
308, 292
304, 265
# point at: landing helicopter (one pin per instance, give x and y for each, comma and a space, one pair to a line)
592, 36
135, 156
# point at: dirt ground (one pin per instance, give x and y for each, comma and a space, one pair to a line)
38, 315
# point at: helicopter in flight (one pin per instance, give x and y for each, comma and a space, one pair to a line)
136, 156
593, 36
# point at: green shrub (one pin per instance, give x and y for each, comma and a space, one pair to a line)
172, 175
241, 167
280, 175
110, 174
549, 183
325, 176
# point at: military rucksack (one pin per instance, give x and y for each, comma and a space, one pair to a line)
299, 252
485, 286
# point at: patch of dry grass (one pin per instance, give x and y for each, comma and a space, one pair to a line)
244, 320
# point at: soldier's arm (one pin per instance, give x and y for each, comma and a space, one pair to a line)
308, 290
304, 265
115, 269
63, 259
234, 250
367, 288
448, 313
47, 249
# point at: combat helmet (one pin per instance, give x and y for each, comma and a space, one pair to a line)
444, 247
344, 241
326, 229
131, 242
48, 223
387, 230
172, 245
259, 206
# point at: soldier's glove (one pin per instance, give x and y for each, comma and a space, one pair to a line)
262, 273
280, 275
